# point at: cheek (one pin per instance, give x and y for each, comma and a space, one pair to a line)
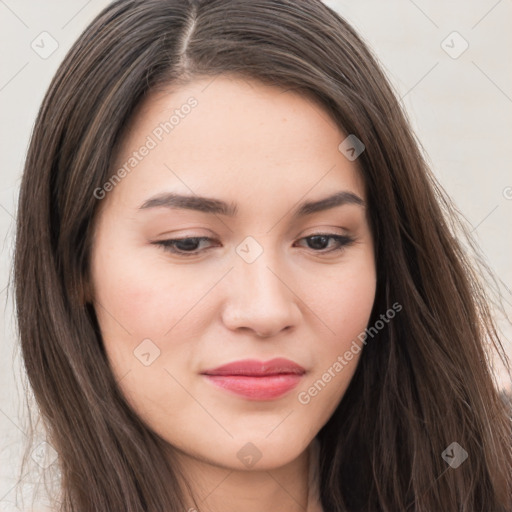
141, 305
151, 315
133, 304
344, 304
138, 293
342, 298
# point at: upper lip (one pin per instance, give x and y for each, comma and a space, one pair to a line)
254, 368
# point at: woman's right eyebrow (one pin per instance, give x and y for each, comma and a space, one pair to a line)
218, 207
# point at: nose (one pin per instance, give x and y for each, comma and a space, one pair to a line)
260, 299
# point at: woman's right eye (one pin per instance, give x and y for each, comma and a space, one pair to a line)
183, 246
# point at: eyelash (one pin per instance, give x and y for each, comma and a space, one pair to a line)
169, 245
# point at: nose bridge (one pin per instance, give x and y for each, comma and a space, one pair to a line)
258, 296
260, 277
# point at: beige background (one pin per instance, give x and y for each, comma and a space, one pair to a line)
460, 109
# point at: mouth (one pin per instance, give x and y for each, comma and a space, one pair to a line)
256, 380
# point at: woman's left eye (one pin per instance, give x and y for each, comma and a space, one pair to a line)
322, 239
319, 243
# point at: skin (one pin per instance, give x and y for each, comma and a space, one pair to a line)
266, 150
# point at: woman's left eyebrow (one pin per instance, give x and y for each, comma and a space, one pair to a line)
219, 207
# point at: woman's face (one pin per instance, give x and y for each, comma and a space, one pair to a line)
252, 280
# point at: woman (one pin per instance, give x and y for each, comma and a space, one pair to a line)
237, 288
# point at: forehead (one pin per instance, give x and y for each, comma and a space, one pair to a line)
226, 135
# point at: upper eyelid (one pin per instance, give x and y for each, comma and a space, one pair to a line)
209, 238
304, 233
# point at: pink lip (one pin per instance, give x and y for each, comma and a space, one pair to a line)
257, 380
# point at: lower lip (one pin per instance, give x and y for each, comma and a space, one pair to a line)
257, 388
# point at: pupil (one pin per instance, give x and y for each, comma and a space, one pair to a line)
188, 244
314, 239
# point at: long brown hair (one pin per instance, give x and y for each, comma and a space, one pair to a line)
422, 383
